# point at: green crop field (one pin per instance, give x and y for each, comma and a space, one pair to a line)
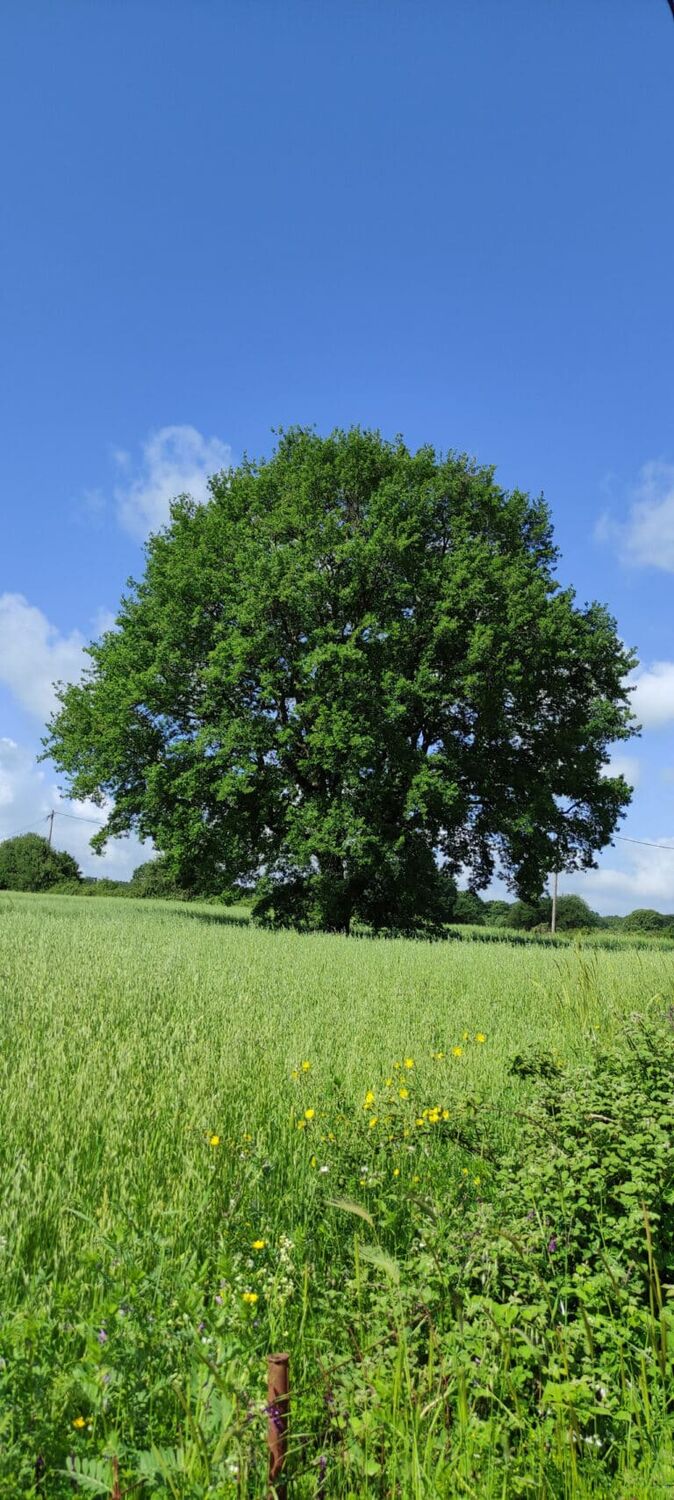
385, 1157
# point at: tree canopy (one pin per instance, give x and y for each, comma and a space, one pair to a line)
29, 863
353, 673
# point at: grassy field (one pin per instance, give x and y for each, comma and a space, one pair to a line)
217, 1142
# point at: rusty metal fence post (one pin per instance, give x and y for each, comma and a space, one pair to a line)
278, 1401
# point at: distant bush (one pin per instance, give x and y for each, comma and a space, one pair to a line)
103, 886
468, 907
155, 880
644, 920
29, 863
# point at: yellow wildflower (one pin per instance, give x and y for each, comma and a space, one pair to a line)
445, 1114
294, 1073
259, 1244
477, 1181
408, 1062
79, 1423
214, 1140
480, 1037
396, 1065
309, 1114
465, 1036
388, 1083
368, 1100
457, 1051
250, 1298
306, 1067
396, 1171
404, 1093
373, 1121
301, 1124
314, 1161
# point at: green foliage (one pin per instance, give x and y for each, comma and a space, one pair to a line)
29, 863
470, 1293
644, 920
525, 915
156, 879
469, 908
352, 661
574, 914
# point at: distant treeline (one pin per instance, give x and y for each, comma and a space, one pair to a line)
29, 863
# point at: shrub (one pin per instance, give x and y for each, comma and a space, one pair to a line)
29, 863
154, 879
468, 907
644, 919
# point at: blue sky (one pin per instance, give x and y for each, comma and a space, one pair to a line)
443, 218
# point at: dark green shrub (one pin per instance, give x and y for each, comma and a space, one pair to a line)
155, 879
29, 863
644, 919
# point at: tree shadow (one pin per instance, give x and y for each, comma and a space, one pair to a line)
214, 918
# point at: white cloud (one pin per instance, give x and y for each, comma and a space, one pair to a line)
175, 460
34, 655
653, 696
624, 765
27, 796
645, 879
104, 620
646, 538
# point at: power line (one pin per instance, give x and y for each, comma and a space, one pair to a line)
645, 843
77, 818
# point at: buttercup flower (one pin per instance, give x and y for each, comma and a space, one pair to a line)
309, 1114
457, 1051
480, 1037
250, 1298
404, 1093
259, 1244
214, 1140
306, 1066
79, 1423
409, 1062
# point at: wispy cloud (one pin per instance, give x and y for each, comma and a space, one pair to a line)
646, 537
174, 461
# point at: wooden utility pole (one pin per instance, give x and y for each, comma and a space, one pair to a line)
50, 820
553, 914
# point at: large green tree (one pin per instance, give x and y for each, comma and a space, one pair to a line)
354, 673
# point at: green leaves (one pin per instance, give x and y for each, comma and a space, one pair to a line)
353, 665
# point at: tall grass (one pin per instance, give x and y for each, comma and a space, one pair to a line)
154, 1127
